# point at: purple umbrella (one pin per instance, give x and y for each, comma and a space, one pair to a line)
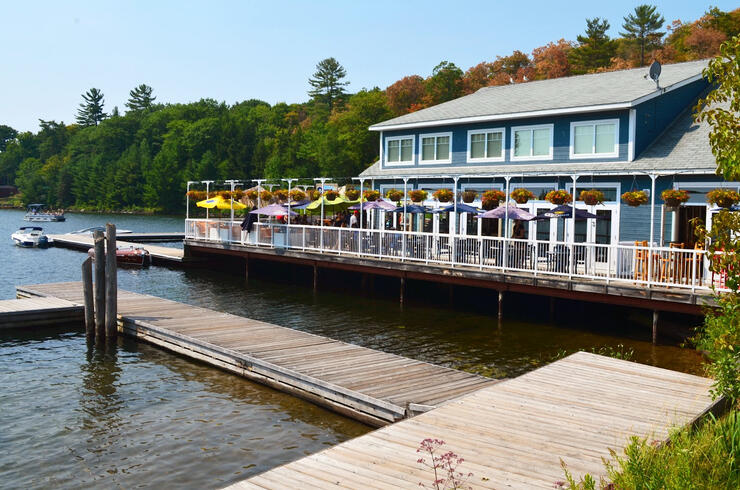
273, 210
514, 213
379, 204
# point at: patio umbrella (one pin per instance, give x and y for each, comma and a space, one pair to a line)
273, 210
379, 204
461, 208
412, 209
514, 213
330, 206
220, 203
566, 211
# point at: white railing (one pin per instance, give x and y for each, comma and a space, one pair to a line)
641, 265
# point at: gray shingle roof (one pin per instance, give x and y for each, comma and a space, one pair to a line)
682, 148
568, 93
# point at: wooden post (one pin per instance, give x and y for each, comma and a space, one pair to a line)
403, 288
315, 276
500, 305
246, 268
111, 283
87, 293
99, 242
655, 327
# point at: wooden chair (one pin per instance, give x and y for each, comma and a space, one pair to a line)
641, 261
676, 263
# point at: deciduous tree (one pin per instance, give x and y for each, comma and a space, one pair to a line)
551, 60
6, 134
444, 84
327, 82
643, 27
405, 94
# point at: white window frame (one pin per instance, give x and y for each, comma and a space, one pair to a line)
435, 136
575, 124
403, 163
486, 131
514, 129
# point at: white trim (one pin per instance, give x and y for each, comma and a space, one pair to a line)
514, 129
435, 136
543, 112
613, 154
632, 130
380, 149
401, 163
487, 159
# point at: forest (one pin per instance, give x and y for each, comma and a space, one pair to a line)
141, 159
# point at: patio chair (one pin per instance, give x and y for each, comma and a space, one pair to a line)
641, 261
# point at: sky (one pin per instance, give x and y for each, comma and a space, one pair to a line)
237, 50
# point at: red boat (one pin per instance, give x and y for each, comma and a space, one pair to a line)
135, 256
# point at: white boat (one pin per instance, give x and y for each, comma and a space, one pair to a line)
93, 229
30, 236
39, 212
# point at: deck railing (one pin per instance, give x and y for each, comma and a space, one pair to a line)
642, 265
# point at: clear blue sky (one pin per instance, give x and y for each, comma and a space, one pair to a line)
235, 50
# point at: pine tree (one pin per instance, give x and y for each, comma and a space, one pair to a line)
140, 98
327, 82
595, 49
642, 27
91, 112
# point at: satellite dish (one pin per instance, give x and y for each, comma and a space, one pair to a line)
655, 69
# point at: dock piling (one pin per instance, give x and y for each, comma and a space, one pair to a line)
111, 283
402, 289
87, 293
500, 305
655, 326
315, 276
99, 248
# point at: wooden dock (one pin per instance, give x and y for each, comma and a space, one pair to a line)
374, 387
515, 433
159, 254
38, 312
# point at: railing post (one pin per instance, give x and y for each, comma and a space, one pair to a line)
652, 229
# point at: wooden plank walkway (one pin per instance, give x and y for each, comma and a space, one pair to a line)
38, 311
371, 386
158, 253
514, 434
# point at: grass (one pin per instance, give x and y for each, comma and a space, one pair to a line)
707, 456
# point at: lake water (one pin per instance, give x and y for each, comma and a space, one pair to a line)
134, 415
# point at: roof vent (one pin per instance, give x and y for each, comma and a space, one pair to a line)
655, 73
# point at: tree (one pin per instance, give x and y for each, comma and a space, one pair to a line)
444, 84
642, 27
551, 60
6, 134
327, 82
140, 98
595, 50
405, 95
91, 112
477, 77
721, 109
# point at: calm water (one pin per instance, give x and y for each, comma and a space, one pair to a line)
101, 418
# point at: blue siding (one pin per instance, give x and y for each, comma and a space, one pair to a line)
561, 138
654, 116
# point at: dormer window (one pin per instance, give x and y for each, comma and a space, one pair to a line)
486, 145
399, 150
532, 142
594, 139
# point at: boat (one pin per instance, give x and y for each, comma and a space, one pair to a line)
93, 229
39, 212
30, 236
132, 256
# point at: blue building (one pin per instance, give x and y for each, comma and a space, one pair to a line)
614, 132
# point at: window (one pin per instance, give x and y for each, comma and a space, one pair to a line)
594, 139
532, 142
486, 145
399, 150
436, 148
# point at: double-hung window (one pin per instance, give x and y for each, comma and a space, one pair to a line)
436, 148
532, 142
594, 139
399, 150
486, 145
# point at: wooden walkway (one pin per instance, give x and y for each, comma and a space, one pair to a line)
158, 253
371, 386
38, 312
514, 434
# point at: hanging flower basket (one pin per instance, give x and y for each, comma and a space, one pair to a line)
635, 198
418, 195
394, 195
265, 196
237, 194
559, 197
351, 193
592, 197
252, 195
371, 195
521, 195
297, 195
469, 196
724, 198
490, 199
280, 194
196, 195
443, 195
331, 194
674, 197
313, 194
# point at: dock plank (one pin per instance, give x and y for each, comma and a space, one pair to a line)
27, 312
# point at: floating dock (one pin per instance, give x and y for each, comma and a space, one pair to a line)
159, 254
371, 386
38, 312
514, 434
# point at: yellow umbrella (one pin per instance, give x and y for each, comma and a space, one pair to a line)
210, 203
227, 203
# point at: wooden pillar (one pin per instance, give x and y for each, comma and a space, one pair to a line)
99, 247
87, 293
655, 327
111, 283
246, 268
402, 289
500, 305
315, 276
